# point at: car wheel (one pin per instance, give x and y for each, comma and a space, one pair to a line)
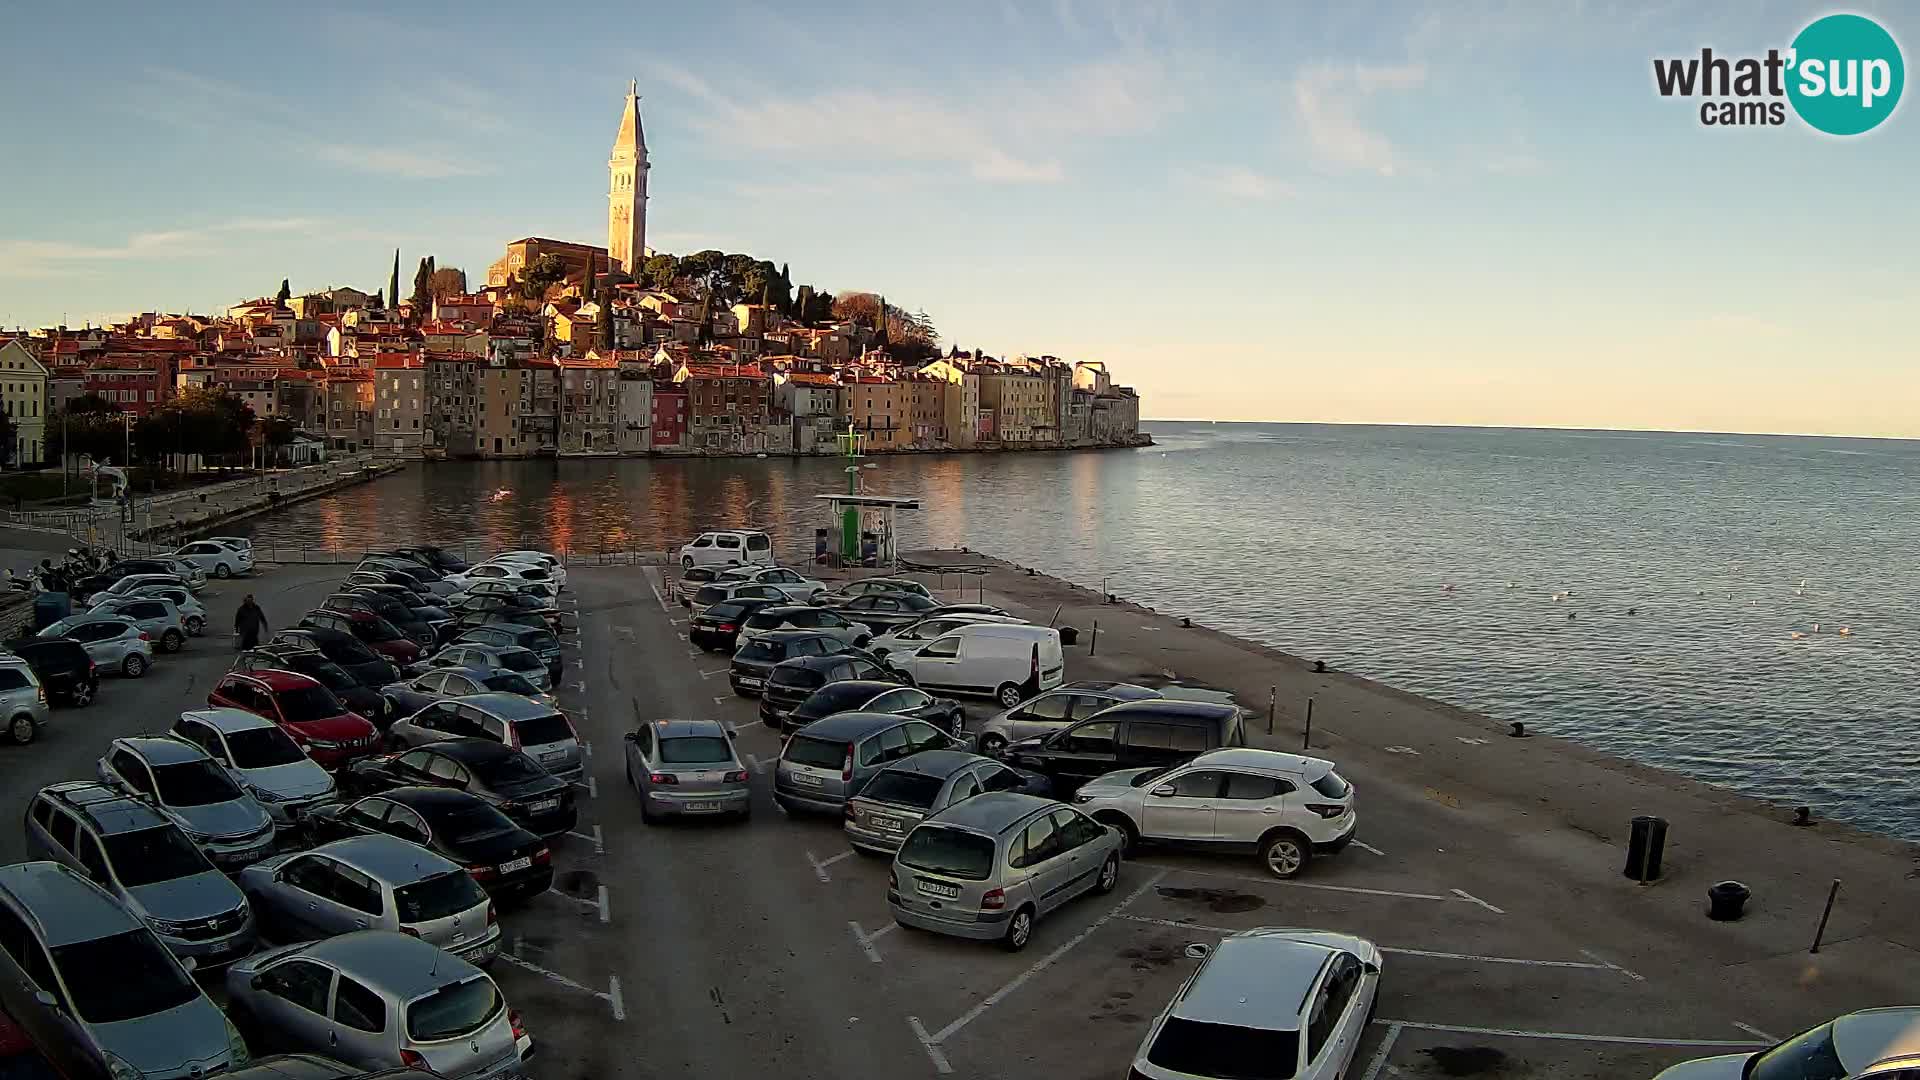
1008, 695
686, 562
957, 724
1019, 930
80, 695
195, 625
222, 570
1285, 854
21, 729
134, 665
993, 745
1109, 875
1129, 836
171, 641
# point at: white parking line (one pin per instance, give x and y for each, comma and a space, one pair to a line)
662, 599
614, 999
1569, 1036
599, 841
1603, 961
592, 786
711, 674
1429, 953
1364, 846
820, 867
940, 1063
682, 637
567, 896
580, 836
1380, 1056
1755, 1032
606, 916
865, 942
1472, 899
720, 701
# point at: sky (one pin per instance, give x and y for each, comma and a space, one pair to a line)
1470, 212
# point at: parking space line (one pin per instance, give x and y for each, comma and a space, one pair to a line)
605, 914
711, 674
820, 866
694, 654
940, 1063
592, 786
614, 999
1570, 1036
719, 701
865, 942
1428, 953
580, 836
1472, 899
567, 896
1364, 846
1380, 1056
756, 764
682, 637
1755, 1032
1314, 885
1598, 959
663, 600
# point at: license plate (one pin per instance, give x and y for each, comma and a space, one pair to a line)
482, 954
553, 755
516, 864
745, 681
885, 824
544, 805
940, 889
702, 807
806, 779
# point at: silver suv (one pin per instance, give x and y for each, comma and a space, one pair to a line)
23, 701
114, 643
195, 793
159, 618
128, 849
542, 732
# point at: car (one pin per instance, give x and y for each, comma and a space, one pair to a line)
717, 627
318, 722
379, 635
756, 659
731, 547
84, 587
535, 727
429, 580
793, 681
23, 701
798, 589
126, 585
1871, 1043
359, 698
115, 644
522, 662
1008, 662
1285, 807
507, 779
483, 603
367, 667
507, 860
882, 612
96, 990
555, 568
437, 557
380, 576
907, 791
498, 572
804, 617
874, 695
535, 589
237, 543
441, 683
419, 606
989, 867
377, 882
686, 767
542, 643
63, 667
874, 587
1131, 735
474, 620
194, 792
920, 631
295, 1067
721, 592
159, 618
829, 761
691, 578
19, 1059
1267, 1002
217, 559
147, 864
385, 607
378, 1000
263, 759
193, 614
1053, 710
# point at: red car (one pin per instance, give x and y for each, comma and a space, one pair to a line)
328, 731
377, 633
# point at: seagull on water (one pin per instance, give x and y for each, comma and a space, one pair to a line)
1846, 631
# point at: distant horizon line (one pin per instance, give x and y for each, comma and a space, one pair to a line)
1529, 427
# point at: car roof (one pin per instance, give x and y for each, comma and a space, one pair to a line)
85, 910
852, 725
506, 706
1165, 708
421, 797
679, 729
826, 661
1871, 1035
1239, 757
857, 687
281, 680
791, 635
993, 812
388, 858
399, 964
1256, 980
939, 763
228, 721
1125, 691
784, 610
468, 749
111, 811
159, 750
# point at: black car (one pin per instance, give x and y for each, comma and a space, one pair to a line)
1132, 735
367, 667
362, 699
717, 628
881, 612
794, 681
509, 781
867, 695
63, 667
757, 658
417, 571
420, 607
507, 860
385, 607
398, 577
84, 588
439, 558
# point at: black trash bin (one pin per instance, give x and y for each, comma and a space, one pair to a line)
1726, 900
1644, 848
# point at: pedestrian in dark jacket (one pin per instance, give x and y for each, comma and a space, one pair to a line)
249, 623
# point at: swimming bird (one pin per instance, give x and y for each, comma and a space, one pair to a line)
1797, 635
1633, 611
1816, 628
1447, 587
1846, 631
1511, 585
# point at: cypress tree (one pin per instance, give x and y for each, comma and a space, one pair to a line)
606, 323
393, 283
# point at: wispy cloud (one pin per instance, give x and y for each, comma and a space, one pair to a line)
393, 161
1328, 99
1236, 182
61, 258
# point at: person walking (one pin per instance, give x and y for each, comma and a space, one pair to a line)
249, 623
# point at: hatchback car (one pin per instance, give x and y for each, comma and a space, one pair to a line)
797, 589
1052, 711
522, 662
903, 793
193, 614
542, 643
793, 681
882, 612
379, 635
831, 761
875, 587
159, 618
1131, 735
498, 572
263, 759
96, 990
721, 591
217, 559
147, 864
422, 608
717, 627
126, 585
356, 696
114, 643
507, 860
756, 659
318, 721
191, 790
1267, 1002
379, 1001
441, 683
376, 882
1284, 807
507, 779
367, 667
63, 666
392, 609
686, 767
803, 617
920, 631
1848, 1047
532, 726
989, 867
23, 701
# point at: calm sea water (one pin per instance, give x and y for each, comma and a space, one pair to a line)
1429, 558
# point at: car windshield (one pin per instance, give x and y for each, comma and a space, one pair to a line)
304, 703
1225, 1051
473, 819
1807, 1056
538, 639
520, 660
1149, 777
1332, 786
903, 789
122, 977
797, 675
770, 651
508, 769
376, 629
509, 682
761, 620
453, 1011
543, 730
725, 612
262, 748
194, 783
348, 651
326, 673
438, 897
819, 753
710, 595
695, 750
951, 852
150, 855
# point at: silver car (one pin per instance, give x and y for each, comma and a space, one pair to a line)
380, 1001
374, 882
523, 662
902, 794
114, 643
127, 584
800, 590
99, 994
829, 761
194, 792
158, 618
987, 868
193, 614
534, 727
1053, 711
23, 701
799, 617
128, 849
263, 759
915, 634
686, 767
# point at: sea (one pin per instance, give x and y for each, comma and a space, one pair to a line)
1739, 608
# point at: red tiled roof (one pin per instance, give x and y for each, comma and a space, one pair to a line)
812, 378
396, 362
724, 371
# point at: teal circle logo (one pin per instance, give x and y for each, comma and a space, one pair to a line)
1845, 74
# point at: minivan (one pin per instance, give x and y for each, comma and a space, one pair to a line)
1131, 735
1008, 662
729, 548
828, 762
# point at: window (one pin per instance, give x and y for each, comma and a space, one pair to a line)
63, 830
1090, 738
301, 982
947, 647
889, 745
999, 779
1187, 739
1040, 842
1332, 786
449, 770
1248, 786
43, 813
925, 737
1331, 1003
1076, 829
132, 770
1199, 785
948, 852
1052, 707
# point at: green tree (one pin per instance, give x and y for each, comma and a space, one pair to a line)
660, 272
100, 435
801, 302
90, 403
448, 281
422, 287
9, 438
393, 283
604, 323
546, 272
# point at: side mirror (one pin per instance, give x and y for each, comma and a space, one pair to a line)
634, 736
1164, 791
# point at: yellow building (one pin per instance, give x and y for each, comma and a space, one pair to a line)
24, 397
1016, 402
881, 410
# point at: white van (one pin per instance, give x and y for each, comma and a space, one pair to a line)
1009, 662
728, 548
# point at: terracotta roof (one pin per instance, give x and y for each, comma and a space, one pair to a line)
396, 362
812, 378
724, 371
589, 362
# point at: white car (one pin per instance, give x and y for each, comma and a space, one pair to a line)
728, 548
1267, 1002
1871, 1043
467, 578
798, 589
193, 614
216, 559
553, 565
1285, 807
237, 543
126, 585
261, 758
195, 577
915, 634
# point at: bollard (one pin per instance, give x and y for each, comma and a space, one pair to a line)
1319, 666
1803, 816
1306, 737
1726, 899
1821, 931
1093, 646
1519, 731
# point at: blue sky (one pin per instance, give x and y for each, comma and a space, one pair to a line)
1472, 212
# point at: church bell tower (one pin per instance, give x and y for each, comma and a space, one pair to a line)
627, 190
